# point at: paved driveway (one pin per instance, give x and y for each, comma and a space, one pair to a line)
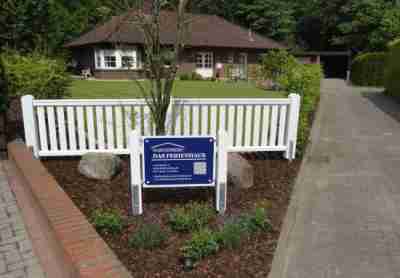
344, 220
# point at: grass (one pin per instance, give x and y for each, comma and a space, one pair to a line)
85, 89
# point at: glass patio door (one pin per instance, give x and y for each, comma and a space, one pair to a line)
205, 64
243, 65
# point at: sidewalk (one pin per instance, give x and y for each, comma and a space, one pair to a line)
17, 259
344, 219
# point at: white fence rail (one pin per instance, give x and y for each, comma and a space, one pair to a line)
75, 127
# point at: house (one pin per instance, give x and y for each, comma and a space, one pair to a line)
114, 50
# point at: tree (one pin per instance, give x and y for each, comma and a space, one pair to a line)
161, 77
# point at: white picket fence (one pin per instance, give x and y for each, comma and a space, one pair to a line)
75, 127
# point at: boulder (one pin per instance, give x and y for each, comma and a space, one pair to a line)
102, 166
240, 171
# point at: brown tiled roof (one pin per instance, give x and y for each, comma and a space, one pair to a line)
203, 31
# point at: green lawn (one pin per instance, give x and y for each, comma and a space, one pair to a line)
190, 89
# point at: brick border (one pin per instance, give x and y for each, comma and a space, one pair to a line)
66, 243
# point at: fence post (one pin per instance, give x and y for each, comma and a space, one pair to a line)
28, 114
135, 173
294, 113
222, 171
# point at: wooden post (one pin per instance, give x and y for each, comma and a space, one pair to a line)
222, 172
31, 138
294, 113
135, 173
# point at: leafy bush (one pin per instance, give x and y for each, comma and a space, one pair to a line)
231, 235
107, 221
305, 80
255, 221
368, 69
149, 236
276, 63
191, 217
184, 77
196, 77
202, 244
3, 88
35, 75
392, 72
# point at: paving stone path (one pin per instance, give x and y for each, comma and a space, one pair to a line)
17, 259
344, 219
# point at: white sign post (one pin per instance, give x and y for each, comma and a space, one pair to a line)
174, 166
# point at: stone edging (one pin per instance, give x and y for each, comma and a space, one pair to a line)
72, 243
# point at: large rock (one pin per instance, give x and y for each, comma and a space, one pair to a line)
102, 166
240, 171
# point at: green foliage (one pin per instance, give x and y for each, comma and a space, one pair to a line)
191, 217
231, 235
295, 77
196, 77
3, 88
368, 69
276, 63
149, 236
36, 75
255, 221
202, 244
185, 77
107, 221
392, 72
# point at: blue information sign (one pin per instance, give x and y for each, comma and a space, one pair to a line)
178, 161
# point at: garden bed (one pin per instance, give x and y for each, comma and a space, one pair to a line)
273, 185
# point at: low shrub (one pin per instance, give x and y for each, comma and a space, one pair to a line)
368, 69
107, 221
276, 63
392, 72
191, 217
149, 236
196, 77
255, 222
185, 77
202, 244
231, 235
35, 75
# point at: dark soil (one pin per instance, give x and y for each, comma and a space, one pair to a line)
274, 179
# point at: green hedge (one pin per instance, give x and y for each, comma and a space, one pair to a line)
368, 69
35, 75
392, 72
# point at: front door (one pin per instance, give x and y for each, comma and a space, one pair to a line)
243, 65
205, 64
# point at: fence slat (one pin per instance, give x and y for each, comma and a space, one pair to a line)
81, 127
119, 126
71, 128
147, 122
110, 128
178, 119
213, 120
274, 125
196, 120
248, 125
62, 133
222, 118
138, 119
52, 128
265, 126
231, 124
100, 127
42, 129
257, 126
186, 120
128, 123
239, 125
282, 125
204, 120
91, 132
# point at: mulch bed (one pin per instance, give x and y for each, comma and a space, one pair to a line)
273, 186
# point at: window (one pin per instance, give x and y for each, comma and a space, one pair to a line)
110, 61
114, 59
204, 60
128, 61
